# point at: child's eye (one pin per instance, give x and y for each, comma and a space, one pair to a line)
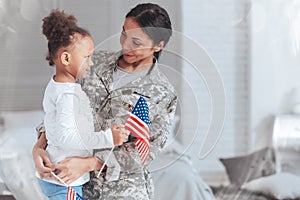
89, 56
123, 33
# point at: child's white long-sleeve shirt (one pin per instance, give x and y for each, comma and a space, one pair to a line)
69, 125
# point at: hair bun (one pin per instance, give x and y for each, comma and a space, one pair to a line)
57, 27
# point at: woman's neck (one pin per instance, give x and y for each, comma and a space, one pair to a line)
135, 67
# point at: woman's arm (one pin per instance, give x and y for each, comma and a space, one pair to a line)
72, 168
41, 159
160, 126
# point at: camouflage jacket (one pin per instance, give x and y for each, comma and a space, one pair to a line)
113, 106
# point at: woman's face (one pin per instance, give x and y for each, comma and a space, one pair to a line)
137, 46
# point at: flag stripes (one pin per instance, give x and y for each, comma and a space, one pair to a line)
71, 194
135, 131
137, 123
138, 127
143, 148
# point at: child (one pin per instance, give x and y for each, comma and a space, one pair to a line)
68, 116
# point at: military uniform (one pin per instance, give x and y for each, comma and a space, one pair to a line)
113, 106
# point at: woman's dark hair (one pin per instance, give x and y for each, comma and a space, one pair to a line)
58, 28
154, 21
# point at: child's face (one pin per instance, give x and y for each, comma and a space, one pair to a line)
81, 57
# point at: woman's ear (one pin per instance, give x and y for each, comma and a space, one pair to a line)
65, 58
159, 47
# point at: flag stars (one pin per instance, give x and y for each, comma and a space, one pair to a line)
141, 110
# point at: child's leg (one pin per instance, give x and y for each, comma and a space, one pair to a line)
57, 192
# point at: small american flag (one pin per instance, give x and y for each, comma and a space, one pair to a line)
71, 194
138, 124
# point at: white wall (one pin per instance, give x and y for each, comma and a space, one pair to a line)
23, 69
274, 64
219, 28
271, 67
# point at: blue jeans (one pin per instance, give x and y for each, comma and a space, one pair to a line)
58, 192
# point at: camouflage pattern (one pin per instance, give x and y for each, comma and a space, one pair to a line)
113, 106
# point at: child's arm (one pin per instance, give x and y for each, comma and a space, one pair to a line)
75, 128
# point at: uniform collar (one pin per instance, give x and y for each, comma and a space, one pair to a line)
105, 73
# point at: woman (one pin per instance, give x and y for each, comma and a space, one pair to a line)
114, 85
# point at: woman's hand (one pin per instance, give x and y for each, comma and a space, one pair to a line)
72, 168
42, 162
41, 158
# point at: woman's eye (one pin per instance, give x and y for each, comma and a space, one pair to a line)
137, 43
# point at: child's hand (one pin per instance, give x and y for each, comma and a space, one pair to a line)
119, 134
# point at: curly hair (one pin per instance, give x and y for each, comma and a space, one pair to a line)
154, 21
59, 27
